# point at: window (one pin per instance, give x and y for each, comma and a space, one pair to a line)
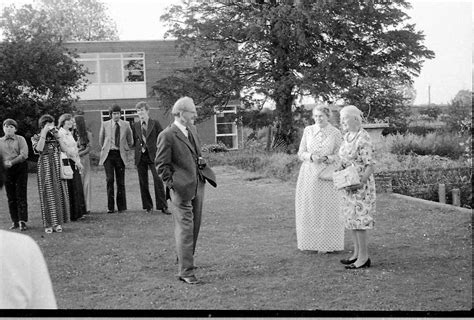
226, 127
127, 114
114, 75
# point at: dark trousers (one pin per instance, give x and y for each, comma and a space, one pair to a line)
15, 186
77, 203
114, 166
160, 197
187, 223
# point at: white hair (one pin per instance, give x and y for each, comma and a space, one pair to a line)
183, 104
352, 111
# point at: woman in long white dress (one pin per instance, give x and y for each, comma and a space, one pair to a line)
319, 225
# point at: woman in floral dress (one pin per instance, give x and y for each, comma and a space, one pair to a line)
53, 191
319, 226
358, 201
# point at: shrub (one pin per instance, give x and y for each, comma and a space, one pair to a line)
216, 147
444, 145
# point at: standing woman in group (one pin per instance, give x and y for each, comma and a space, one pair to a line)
319, 226
84, 138
69, 146
53, 191
358, 201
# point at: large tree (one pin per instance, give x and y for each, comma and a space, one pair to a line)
284, 49
39, 75
68, 20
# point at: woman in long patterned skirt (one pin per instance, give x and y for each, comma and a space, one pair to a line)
69, 146
319, 225
53, 193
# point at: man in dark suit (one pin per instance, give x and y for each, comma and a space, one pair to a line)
184, 171
146, 132
115, 139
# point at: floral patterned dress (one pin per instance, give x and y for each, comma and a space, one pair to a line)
319, 225
358, 206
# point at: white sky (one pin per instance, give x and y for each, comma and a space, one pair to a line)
446, 24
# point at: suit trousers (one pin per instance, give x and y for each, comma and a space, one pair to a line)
187, 222
160, 197
115, 165
16, 187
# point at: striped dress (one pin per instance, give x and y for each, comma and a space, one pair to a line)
53, 192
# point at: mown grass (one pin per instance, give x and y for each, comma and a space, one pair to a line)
247, 256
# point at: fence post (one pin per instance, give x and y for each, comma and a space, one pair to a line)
442, 193
456, 197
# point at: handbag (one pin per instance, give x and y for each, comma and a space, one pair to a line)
346, 177
66, 170
327, 173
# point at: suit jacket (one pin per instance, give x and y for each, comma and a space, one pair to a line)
107, 129
177, 162
152, 131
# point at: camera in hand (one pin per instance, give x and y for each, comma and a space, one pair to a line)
201, 162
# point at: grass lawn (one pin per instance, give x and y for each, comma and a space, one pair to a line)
247, 255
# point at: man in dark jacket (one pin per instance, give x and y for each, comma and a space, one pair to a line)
146, 133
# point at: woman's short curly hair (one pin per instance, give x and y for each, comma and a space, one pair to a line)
44, 119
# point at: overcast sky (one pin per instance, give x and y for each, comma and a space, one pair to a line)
446, 24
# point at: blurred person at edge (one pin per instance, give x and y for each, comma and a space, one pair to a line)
358, 201
319, 225
14, 149
69, 146
84, 139
53, 191
24, 278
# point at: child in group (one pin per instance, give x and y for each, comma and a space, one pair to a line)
14, 150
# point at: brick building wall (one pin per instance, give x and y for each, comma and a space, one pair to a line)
161, 59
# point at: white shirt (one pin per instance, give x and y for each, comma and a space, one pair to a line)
24, 277
69, 145
181, 127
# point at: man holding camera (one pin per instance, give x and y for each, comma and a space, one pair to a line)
145, 135
184, 172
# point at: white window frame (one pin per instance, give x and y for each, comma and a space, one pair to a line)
125, 114
235, 133
125, 89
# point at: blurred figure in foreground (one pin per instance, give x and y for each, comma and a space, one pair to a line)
24, 277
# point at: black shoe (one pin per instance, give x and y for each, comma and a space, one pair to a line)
122, 211
189, 280
365, 265
23, 226
110, 211
165, 211
14, 225
348, 261
149, 210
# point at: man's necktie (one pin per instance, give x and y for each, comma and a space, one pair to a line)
117, 135
144, 128
191, 139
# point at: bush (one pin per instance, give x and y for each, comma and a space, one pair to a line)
216, 147
444, 145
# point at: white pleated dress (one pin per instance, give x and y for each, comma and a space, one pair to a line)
319, 222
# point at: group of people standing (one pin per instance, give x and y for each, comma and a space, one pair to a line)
321, 210
172, 155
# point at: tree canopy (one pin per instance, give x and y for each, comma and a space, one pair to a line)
281, 50
68, 20
39, 74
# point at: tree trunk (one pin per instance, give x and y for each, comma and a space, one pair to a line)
284, 135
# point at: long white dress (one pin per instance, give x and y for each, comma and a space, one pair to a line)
319, 223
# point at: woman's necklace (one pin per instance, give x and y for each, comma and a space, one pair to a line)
349, 139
